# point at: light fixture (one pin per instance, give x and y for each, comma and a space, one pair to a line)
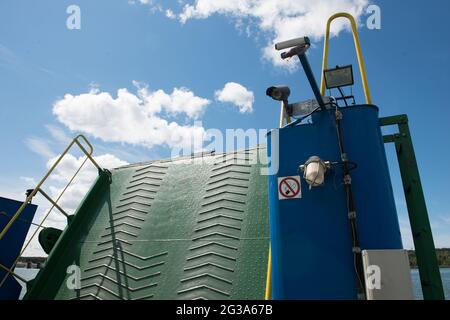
339, 77
314, 171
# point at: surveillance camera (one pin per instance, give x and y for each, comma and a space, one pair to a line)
298, 42
279, 93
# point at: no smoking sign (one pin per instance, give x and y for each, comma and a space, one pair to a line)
289, 188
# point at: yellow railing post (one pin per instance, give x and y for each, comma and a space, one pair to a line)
268, 294
9, 271
362, 67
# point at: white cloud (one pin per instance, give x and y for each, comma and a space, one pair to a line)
278, 19
238, 95
139, 1
58, 134
134, 118
445, 219
83, 181
45, 146
170, 14
39, 146
181, 100
152, 4
29, 181
7, 56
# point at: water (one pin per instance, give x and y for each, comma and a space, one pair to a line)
29, 274
445, 275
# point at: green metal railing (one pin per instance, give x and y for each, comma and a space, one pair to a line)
427, 262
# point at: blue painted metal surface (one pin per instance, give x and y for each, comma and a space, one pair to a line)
311, 240
12, 242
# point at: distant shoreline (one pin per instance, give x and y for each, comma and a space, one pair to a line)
443, 256
412, 268
440, 267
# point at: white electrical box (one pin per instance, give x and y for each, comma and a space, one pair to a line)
387, 275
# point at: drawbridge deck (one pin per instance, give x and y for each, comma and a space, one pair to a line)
178, 229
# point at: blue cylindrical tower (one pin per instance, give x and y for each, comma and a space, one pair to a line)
310, 236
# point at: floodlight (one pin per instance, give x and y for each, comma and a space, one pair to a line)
339, 77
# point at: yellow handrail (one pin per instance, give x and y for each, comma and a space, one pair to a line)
268, 294
37, 188
54, 203
362, 67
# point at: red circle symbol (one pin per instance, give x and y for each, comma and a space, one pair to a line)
289, 188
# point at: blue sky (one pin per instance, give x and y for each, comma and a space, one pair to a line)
124, 42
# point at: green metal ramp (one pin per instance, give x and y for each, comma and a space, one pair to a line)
192, 228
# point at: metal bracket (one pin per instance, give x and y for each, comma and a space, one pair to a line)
356, 250
347, 180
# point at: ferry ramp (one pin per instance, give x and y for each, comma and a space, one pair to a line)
192, 228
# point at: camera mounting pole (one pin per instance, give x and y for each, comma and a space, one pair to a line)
300, 46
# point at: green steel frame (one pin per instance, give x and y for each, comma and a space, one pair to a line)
430, 276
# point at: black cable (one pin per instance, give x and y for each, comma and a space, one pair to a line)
351, 208
300, 120
343, 96
354, 164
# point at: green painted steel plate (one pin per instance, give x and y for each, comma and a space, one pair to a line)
192, 228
